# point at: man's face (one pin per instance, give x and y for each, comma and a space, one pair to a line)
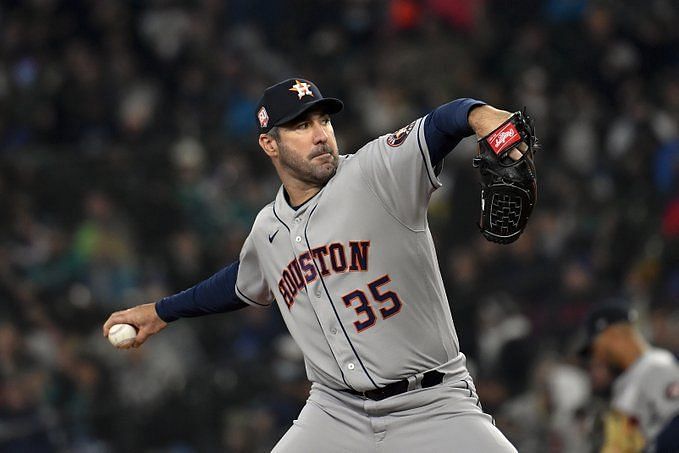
307, 149
603, 366
601, 377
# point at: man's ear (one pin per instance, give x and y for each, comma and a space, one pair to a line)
268, 144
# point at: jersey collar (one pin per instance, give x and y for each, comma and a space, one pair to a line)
286, 213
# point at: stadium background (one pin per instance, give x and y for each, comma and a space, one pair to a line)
129, 170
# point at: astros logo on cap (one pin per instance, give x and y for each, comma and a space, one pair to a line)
302, 89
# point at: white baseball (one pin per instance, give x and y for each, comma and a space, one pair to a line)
121, 335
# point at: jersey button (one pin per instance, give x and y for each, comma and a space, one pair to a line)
298, 219
318, 294
333, 331
351, 366
298, 239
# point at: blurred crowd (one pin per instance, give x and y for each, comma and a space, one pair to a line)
129, 170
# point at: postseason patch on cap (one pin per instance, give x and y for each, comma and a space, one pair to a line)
263, 117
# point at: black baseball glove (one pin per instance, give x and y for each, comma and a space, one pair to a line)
508, 186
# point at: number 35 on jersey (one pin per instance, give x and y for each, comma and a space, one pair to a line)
337, 258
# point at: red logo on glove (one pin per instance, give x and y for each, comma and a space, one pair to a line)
504, 138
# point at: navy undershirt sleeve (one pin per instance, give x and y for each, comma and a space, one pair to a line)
217, 294
446, 126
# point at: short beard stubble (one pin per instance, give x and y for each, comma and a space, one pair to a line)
303, 169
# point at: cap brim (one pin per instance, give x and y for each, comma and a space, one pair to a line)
327, 105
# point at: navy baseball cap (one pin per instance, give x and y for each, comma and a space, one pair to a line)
599, 319
289, 99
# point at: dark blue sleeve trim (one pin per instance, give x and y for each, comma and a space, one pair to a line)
446, 126
217, 294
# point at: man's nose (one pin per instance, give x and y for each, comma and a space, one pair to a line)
320, 134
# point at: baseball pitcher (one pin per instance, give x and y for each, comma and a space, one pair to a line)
346, 252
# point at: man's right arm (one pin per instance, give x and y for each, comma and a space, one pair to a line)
217, 294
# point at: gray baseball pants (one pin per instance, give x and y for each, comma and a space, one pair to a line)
443, 418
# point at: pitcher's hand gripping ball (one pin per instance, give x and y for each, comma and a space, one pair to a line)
508, 186
122, 335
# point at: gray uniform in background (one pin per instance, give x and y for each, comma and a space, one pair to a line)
356, 278
649, 391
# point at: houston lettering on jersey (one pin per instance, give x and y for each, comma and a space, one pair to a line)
330, 258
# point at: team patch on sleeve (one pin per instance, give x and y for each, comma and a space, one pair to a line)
398, 137
672, 390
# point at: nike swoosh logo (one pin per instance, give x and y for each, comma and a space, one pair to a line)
271, 236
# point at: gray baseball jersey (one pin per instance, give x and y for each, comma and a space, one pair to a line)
649, 391
354, 270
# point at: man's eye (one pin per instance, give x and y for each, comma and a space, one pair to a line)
326, 121
303, 125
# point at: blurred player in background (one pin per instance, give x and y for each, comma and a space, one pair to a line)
643, 383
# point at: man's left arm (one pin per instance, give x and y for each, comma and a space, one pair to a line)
505, 161
400, 168
448, 124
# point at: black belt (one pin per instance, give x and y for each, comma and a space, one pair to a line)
429, 379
